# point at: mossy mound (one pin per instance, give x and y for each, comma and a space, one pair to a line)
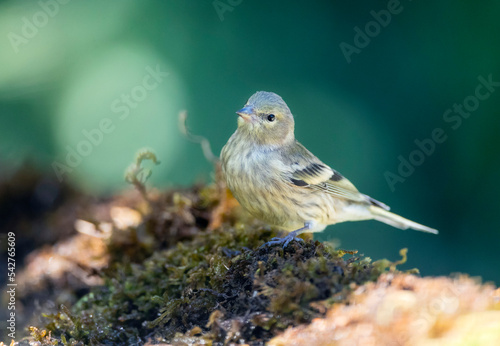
184, 267
221, 286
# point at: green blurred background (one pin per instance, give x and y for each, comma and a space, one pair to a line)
65, 66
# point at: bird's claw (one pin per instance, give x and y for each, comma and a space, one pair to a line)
282, 241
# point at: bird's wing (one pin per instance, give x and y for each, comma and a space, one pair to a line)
309, 171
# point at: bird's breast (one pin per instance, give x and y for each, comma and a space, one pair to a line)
253, 178
258, 180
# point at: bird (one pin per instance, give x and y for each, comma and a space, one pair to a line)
277, 180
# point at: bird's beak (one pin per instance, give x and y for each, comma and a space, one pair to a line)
246, 112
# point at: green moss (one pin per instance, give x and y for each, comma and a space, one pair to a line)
265, 290
42, 337
219, 286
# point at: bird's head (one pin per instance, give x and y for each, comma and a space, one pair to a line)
266, 119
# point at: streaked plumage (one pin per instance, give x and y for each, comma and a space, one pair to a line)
279, 181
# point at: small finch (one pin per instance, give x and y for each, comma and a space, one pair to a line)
277, 180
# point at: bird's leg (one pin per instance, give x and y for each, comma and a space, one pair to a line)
289, 237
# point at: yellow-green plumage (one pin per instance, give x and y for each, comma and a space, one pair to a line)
279, 181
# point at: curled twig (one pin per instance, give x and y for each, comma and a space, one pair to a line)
202, 141
137, 175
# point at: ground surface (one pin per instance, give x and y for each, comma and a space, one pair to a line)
187, 266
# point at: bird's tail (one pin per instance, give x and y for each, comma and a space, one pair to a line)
397, 221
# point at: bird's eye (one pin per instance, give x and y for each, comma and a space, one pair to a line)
271, 117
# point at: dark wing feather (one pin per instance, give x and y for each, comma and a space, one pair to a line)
308, 171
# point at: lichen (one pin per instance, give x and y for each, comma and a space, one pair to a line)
404, 309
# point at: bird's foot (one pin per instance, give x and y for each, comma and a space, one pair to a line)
283, 241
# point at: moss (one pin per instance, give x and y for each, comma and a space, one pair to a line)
221, 284
42, 337
194, 269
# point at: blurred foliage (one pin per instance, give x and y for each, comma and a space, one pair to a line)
73, 65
